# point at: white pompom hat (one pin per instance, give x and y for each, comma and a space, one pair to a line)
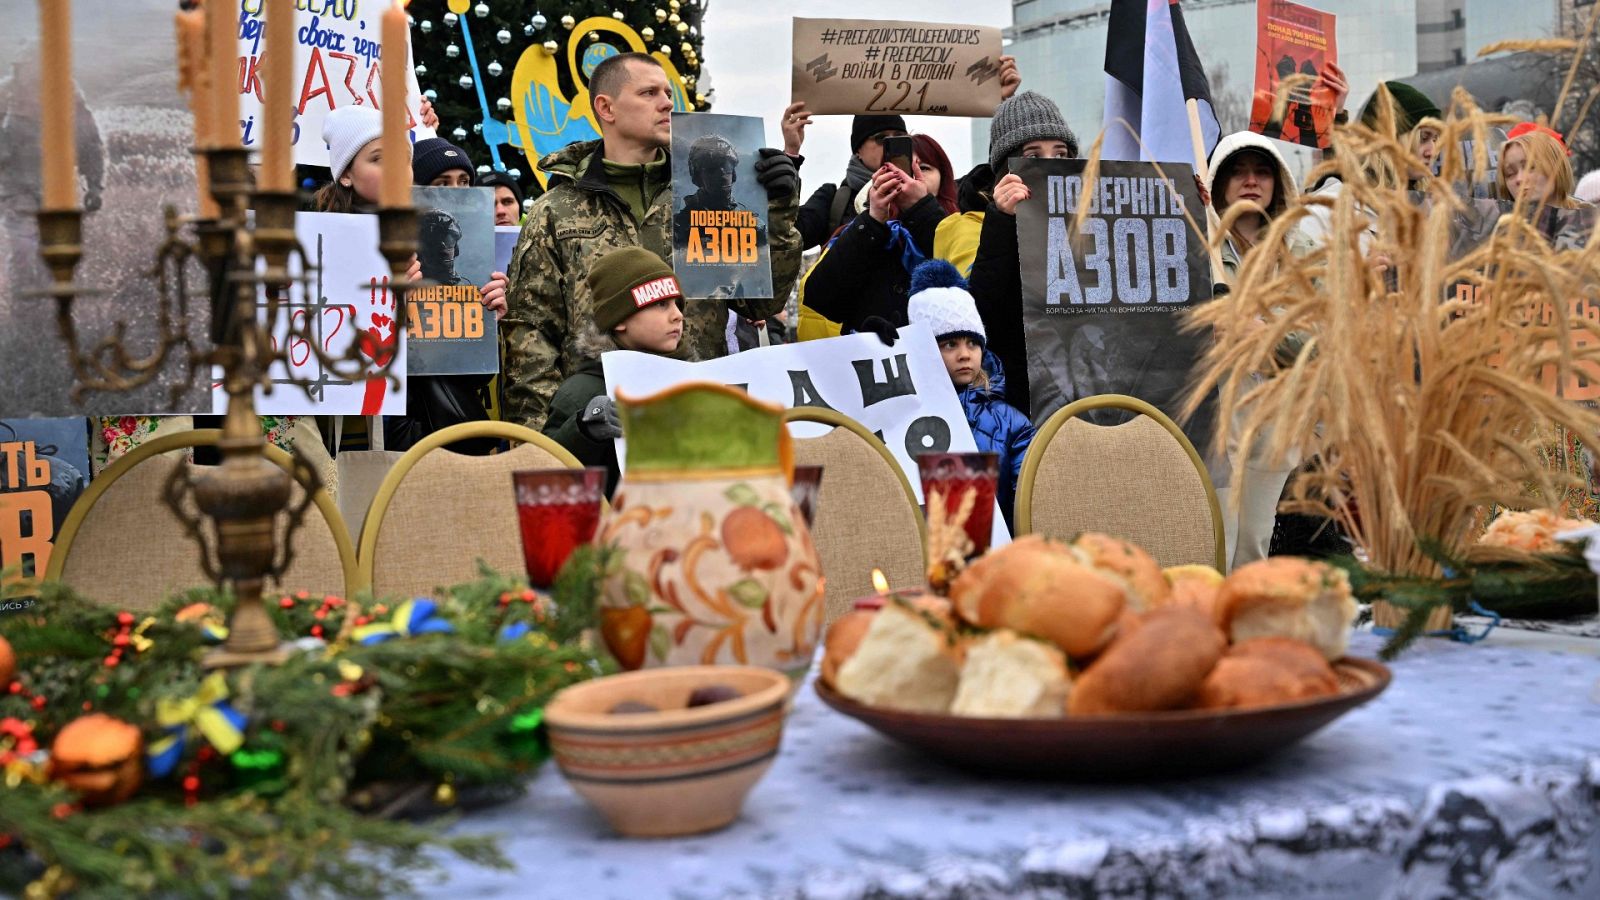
346, 130
939, 297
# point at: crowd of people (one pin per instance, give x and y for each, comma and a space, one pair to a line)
897, 246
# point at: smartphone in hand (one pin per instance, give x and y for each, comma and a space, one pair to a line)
897, 153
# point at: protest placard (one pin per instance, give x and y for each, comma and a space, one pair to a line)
902, 393
349, 301
505, 241
719, 220
336, 53
1101, 301
44, 467
1293, 40
448, 329
864, 66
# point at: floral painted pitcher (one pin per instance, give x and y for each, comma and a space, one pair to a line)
716, 565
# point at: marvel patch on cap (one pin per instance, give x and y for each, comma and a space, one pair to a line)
655, 291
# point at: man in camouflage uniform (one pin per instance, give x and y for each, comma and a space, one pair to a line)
612, 193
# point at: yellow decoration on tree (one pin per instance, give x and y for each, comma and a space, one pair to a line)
8, 662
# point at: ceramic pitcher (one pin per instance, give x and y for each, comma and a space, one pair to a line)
716, 564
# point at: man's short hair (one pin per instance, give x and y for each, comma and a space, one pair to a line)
611, 75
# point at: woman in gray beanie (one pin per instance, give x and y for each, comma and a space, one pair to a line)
1027, 125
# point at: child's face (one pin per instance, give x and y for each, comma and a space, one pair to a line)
654, 329
365, 173
963, 359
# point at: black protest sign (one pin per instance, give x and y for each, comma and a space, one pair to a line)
448, 329
44, 466
719, 218
1102, 298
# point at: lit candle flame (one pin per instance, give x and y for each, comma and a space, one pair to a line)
880, 583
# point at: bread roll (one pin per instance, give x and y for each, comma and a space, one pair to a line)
904, 661
1137, 570
1267, 671
1161, 665
1041, 588
1195, 586
1287, 596
1008, 676
844, 636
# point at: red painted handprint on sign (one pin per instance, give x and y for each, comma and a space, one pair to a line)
377, 342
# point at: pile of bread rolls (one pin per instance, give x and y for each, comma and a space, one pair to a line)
1042, 629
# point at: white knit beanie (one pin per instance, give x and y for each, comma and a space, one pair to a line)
939, 297
346, 130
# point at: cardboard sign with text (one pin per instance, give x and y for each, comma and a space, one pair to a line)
336, 55
349, 301
44, 466
902, 393
719, 218
867, 66
1101, 303
1293, 40
448, 329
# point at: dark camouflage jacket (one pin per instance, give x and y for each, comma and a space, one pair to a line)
549, 310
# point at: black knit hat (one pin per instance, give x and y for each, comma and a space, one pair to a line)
496, 178
863, 127
1410, 107
626, 280
432, 157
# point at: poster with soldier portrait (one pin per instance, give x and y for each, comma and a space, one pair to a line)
719, 209
448, 330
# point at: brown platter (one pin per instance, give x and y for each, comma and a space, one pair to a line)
1132, 745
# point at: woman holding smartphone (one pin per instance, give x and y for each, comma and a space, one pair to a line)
863, 279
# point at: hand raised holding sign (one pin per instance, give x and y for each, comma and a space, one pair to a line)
1010, 77
795, 119
1010, 191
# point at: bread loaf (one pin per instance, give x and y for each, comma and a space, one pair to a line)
1043, 589
1128, 563
1195, 586
904, 661
1008, 676
1286, 596
1160, 665
844, 636
1265, 672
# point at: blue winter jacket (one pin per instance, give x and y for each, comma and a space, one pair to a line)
998, 427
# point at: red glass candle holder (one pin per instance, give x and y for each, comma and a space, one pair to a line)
558, 509
953, 476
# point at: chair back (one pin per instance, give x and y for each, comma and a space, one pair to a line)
866, 516
122, 545
1141, 481
437, 512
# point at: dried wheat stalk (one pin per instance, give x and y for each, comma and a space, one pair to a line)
1424, 402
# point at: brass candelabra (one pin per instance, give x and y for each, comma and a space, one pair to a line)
250, 265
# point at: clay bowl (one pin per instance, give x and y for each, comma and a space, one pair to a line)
677, 771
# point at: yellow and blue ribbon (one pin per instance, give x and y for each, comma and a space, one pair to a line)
414, 617
207, 711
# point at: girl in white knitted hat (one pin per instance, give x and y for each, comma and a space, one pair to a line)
939, 298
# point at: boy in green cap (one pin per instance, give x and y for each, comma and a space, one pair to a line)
638, 305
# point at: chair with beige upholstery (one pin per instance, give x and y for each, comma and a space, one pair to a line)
437, 513
1141, 480
866, 515
122, 546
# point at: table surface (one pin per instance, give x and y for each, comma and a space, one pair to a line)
1477, 771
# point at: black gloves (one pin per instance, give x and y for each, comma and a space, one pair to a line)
881, 327
598, 421
777, 173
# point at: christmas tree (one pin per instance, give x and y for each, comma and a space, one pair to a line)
508, 77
